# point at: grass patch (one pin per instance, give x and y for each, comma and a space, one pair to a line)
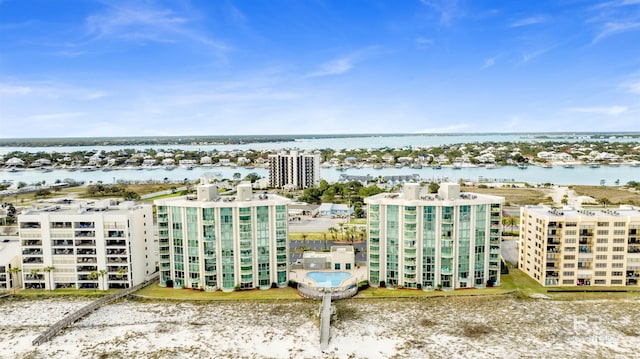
425, 322
157, 292
344, 312
615, 195
475, 330
40, 293
514, 196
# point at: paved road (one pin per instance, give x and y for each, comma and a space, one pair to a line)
318, 224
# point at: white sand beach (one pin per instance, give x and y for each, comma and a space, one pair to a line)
490, 327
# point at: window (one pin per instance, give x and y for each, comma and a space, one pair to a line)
601, 249
601, 257
618, 224
601, 265
603, 232
601, 274
616, 274
567, 281
618, 249
337, 266
568, 273
618, 257
616, 281
618, 240
617, 265
603, 224
603, 240
569, 257
601, 281
569, 265
347, 266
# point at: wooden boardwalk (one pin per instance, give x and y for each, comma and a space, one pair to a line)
63, 323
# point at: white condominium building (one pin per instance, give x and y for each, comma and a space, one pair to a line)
443, 241
580, 247
295, 170
226, 242
62, 245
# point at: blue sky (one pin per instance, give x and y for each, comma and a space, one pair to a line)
143, 68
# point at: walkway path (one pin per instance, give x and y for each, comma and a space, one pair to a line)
56, 328
325, 321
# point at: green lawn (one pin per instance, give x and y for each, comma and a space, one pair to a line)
40, 293
155, 291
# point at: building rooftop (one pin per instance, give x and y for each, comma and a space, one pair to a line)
71, 207
568, 212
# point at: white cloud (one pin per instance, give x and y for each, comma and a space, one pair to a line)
489, 62
137, 22
614, 28
56, 116
609, 111
528, 21
333, 67
14, 90
342, 64
446, 9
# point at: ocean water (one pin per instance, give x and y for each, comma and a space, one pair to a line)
580, 175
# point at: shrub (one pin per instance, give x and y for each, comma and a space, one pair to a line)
169, 283
293, 283
382, 284
274, 285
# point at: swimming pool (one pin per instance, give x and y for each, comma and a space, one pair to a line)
328, 279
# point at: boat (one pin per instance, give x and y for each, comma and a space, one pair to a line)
568, 165
437, 166
377, 166
522, 166
547, 165
594, 165
416, 166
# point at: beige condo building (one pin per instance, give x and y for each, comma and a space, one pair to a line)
580, 247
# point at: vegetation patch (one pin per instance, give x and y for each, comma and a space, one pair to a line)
475, 330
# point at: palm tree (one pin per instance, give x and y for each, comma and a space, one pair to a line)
12, 271
341, 230
334, 232
103, 273
48, 270
304, 239
93, 276
34, 273
121, 273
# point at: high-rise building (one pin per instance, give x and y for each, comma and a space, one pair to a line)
211, 242
574, 246
63, 245
294, 170
443, 241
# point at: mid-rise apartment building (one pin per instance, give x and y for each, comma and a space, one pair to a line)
443, 241
63, 245
211, 241
574, 246
294, 170
9, 261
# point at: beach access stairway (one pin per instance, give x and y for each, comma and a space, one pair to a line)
325, 321
56, 328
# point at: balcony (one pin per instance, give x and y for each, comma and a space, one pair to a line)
31, 252
31, 242
85, 243
117, 243
111, 252
87, 260
86, 251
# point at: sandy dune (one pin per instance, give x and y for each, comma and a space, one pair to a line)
403, 328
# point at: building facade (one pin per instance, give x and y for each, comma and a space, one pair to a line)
215, 242
580, 247
294, 170
446, 241
62, 246
9, 260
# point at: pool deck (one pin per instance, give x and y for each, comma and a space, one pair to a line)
357, 275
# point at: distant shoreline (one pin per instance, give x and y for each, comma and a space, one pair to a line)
246, 139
